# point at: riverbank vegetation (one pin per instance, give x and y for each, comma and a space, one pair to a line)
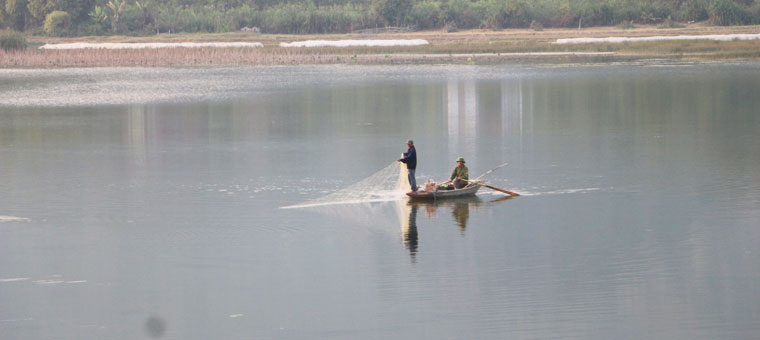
10, 40
150, 17
479, 46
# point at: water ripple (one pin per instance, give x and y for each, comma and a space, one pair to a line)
13, 219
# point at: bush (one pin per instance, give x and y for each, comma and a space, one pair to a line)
426, 14
497, 14
626, 25
288, 18
243, 16
89, 28
651, 13
206, 20
754, 12
334, 20
536, 26
669, 23
692, 11
589, 14
727, 12
137, 19
12, 40
463, 13
392, 12
518, 14
57, 23
450, 27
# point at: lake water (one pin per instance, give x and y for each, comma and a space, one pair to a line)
146, 203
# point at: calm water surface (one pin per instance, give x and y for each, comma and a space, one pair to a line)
140, 203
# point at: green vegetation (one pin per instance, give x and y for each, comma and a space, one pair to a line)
57, 23
668, 23
143, 17
626, 25
536, 26
11, 40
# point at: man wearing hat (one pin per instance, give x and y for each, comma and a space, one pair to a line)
460, 174
410, 158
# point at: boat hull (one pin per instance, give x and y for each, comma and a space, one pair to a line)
443, 194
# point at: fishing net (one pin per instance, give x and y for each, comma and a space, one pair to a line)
385, 185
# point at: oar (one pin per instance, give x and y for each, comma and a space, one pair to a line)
510, 193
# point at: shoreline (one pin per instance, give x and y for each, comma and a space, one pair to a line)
465, 47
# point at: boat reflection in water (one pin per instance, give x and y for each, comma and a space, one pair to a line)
458, 207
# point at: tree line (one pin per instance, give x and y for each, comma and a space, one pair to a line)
143, 17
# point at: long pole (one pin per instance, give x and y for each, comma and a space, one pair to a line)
510, 193
490, 171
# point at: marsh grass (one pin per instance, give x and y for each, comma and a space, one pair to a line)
12, 40
149, 57
494, 47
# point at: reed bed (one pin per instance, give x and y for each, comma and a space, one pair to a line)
152, 57
477, 46
282, 56
223, 57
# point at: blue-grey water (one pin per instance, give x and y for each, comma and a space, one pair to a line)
146, 203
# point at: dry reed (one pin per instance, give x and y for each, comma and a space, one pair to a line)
153, 57
488, 47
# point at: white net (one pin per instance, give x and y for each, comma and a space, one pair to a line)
384, 185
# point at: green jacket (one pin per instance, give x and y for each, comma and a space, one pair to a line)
460, 172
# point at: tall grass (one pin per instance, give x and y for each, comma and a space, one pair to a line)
154, 57
12, 40
727, 12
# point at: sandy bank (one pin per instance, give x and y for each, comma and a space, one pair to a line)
614, 40
122, 46
356, 43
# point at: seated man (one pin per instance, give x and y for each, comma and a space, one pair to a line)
460, 176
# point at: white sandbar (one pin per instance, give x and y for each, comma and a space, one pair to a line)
122, 46
718, 37
355, 43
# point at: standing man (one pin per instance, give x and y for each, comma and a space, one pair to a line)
460, 175
410, 158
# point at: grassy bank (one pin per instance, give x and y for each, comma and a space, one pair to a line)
473, 46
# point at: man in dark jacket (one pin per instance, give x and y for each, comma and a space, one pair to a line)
410, 158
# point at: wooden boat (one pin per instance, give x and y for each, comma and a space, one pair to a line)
437, 194
471, 200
